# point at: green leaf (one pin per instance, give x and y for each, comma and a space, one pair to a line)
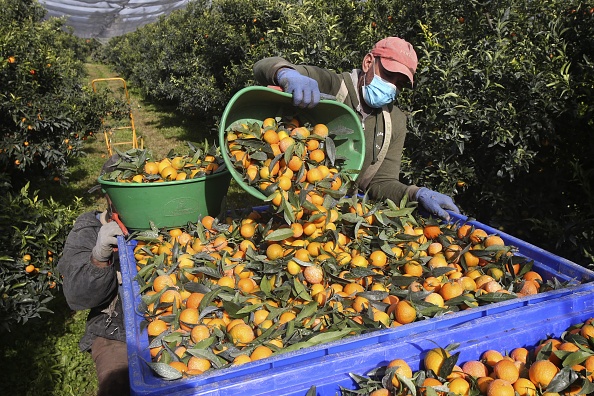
320, 339
165, 371
279, 235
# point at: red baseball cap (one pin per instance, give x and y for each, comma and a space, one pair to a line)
397, 55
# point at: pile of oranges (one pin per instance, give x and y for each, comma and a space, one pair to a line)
317, 265
139, 166
231, 290
295, 166
561, 365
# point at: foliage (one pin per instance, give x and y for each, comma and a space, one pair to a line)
32, 233
499, 117
45, 110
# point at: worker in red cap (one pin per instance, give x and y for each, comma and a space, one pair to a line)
386, 70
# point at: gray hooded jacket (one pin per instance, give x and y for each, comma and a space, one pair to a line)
87, 286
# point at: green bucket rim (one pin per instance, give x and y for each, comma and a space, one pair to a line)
287, 99
168, 183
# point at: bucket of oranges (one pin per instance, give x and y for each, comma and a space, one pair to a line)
166, 192
261, 132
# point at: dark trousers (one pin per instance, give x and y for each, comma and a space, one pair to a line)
111, 363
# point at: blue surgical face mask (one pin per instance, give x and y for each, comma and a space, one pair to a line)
379, 92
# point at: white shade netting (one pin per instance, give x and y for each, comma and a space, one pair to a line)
105, 19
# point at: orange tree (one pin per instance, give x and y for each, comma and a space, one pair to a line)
501, 110
45, 109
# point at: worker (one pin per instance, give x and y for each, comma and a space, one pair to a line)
92, 281
386, 70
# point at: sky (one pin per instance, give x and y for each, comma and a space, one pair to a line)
105, 19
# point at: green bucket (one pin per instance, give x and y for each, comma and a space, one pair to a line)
256, 103
167, 204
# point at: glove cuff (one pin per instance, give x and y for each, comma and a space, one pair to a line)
102, 255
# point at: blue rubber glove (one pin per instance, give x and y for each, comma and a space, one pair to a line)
435, 203
306, 93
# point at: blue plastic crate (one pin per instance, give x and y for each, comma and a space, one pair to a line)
524, 327
281, 371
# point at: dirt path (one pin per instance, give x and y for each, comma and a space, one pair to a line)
159, 126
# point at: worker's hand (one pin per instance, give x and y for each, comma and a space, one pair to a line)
304, 89
435, 203
106, 240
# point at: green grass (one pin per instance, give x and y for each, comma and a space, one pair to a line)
42, 356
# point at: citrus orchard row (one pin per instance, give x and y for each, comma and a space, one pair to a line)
230, 290
139, 166
562, 365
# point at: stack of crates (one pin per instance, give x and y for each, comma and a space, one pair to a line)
503, 325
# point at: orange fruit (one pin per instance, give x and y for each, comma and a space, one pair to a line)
524, 387
295, 163
247, 230
542, 372
475, 368
435, 299
477, 236
402, 369
500, 387
260, 352
241, 359
459, 386
179, 366
241, 334
380, 392
207, 221
378, 258
519, 354
493, 240
274, 251
352, 288
434, 359
285, 143
451, 290
317, 156
431, 231
464, 231
405, 312
246, 285
359, 261
314, 175
156, 327
434, 248
151, 168
284, 183
532, 276
300, 132
313, 274
188, 318
587, 331
483, 384
199, 333
269, 123
320, 130
197, 363
193, 301
161, 282
270, 137
171, 297
490, 357
507, 370
169, 173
